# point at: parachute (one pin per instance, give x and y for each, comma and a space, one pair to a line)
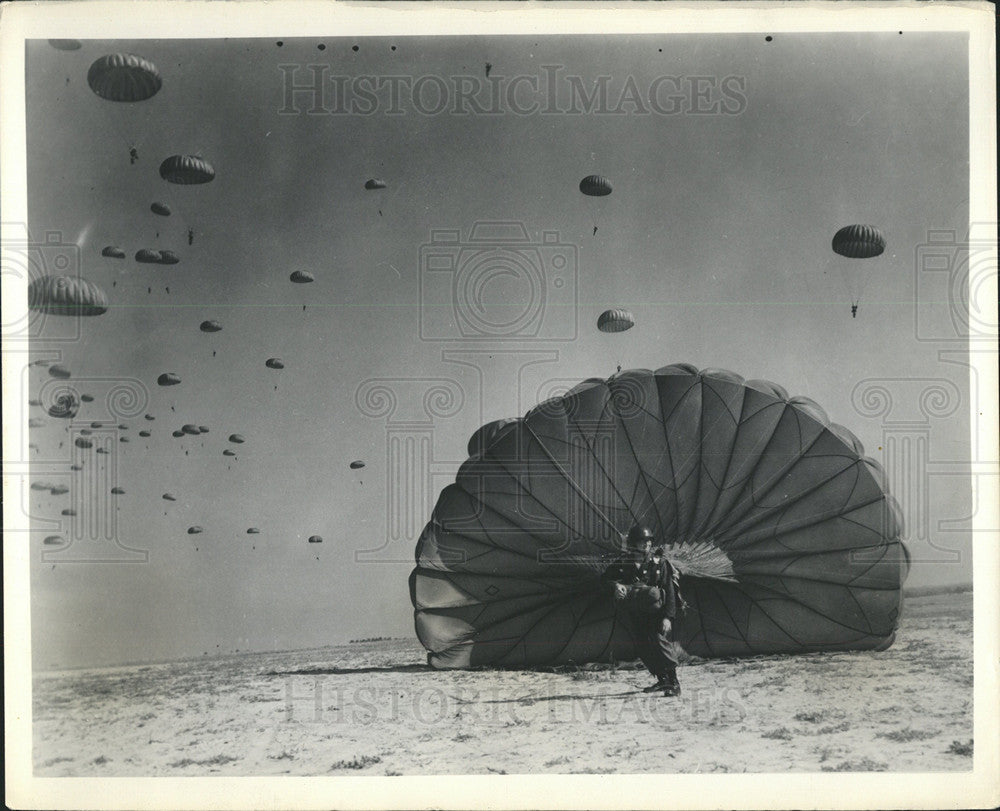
210, 326
76, 467
96, 424
615, 321
86, 431
190, 429
274, 363
113, 252
784, 533
124, 77
41, 486
59, 371
186, 170
374, 183
595, 186
237, 438
168, 379
195, 530
66, 44
54, 540
301, 277
315, 539
117, 491
147, 256
66, 295
80, 442
65, 406
357, 465
168, 258
149, 417
177, 434
202, 429
859, 242
87, 398
169, 497
68, 511
123, 439
228, 452
59, 490
102, 451
253, 531
144, 434
160, 208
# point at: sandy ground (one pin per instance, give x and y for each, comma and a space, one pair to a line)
374, 708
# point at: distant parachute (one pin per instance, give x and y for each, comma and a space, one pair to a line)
237, 438
169, 497
113, 252
124, 77
149, 417
315, 539
41, 485
76, 467
168, 379
178, 434
783, 531
203, 429
96, 424
615, 321
144, 434
66, 44
253, 531
65, 407
68, 511
59, 371
83, 443
168, 258
194, 530
66, 295
357, 465
86, 431
59, 490
374, 183
859, 242
160, 208
228, 452
190, 429
274, 363
147, 256
301, 277
87, 398
595, 186
123, 439
54, 540
117, 491
210, 326
103, 451
186, 170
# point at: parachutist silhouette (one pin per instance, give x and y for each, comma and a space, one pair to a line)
149, 290
157, 234
854, 311
213, 353
595, 231
114, 284
168, 291
190, 236
380, 212
619, 369
489, 67
303, 308
133, 154
171, 408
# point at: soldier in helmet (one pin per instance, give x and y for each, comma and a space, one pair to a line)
650, 593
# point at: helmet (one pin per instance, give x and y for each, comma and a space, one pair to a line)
638, 537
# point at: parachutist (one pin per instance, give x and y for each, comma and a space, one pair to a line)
595, 231
489, 67
133, 155
213, 353
854, 311
190, 236
380, 212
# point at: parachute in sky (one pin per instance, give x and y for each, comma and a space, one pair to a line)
124, 77
186, 170
68, 511
315, 539
123, 439
615, 321
210, 326
857, 242
117, 491
66, 295
374, 183
76, 466
65, 406
195, 530
86, 431
59, 490
87, 398
168, 258
253, 531
301, 277
66, 44
784, 533
484, 436
190, 429
228, 452
169, 497
144, 434
147, 256
202, 429
59, 371
54, 540
237, 438
113, 252
177, 434
274, 363
168, 379
103, 451
97, 424
357, 464
80, 442
595, 186
160, 208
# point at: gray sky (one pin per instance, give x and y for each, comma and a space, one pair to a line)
717, 237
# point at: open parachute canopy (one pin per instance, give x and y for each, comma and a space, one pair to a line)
784, 533
615, 321
124, 77
113, 252
595, 186
147, 256
186, 170
66, 295
66, 44
859, 242
374, 183
162, 209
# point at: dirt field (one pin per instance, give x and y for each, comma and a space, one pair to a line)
374, 708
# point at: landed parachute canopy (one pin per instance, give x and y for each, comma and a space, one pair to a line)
103, 451
68, 511
301, 277
124, 77
147, 256
615, 321
59, 490
859, 242
374, 183
595, 186
274, 363
784, 533
66, 295
76, 466
149, 417
210, 326
113, 252
186, 170
86, 431
168, 379
202, 429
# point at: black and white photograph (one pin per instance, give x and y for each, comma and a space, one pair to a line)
563, 404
